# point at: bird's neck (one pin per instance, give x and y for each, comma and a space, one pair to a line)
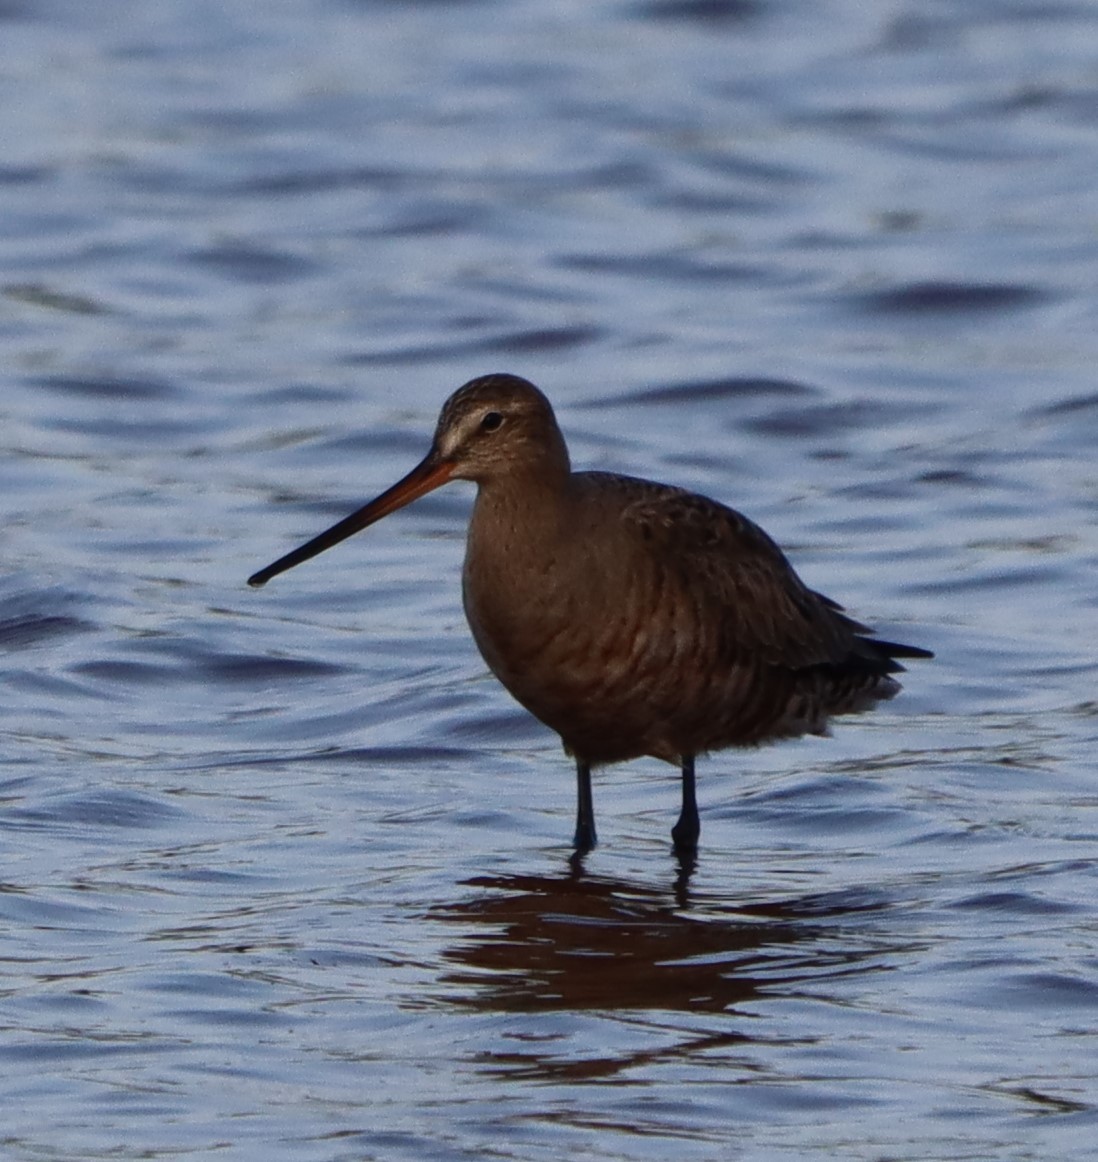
521, 516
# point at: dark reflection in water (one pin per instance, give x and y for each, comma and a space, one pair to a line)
578, 942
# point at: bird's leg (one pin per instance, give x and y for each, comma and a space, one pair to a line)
686, 831
585, 837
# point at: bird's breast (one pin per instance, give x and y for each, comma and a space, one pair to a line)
586, 633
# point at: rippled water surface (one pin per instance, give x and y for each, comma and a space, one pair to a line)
285, 873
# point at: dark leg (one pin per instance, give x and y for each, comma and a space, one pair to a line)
585, 837
686, 831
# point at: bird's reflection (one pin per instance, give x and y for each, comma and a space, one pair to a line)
577, 941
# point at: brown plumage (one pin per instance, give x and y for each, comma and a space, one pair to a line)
631, 617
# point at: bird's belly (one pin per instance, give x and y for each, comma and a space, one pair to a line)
578, 688
615, 679
631, 678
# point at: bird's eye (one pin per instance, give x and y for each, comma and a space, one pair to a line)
491, 421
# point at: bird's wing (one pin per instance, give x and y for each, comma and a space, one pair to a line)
763, 608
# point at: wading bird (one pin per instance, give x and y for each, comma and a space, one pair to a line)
631, 617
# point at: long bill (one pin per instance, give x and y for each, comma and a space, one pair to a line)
424, 477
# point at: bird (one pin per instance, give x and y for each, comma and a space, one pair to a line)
630, 617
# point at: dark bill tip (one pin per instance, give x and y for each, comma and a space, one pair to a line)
426, 476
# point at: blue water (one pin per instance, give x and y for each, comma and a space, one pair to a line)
285, 873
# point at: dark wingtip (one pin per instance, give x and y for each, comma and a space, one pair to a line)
258, 580
901, 651
888, 652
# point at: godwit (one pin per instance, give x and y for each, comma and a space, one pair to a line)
631, 617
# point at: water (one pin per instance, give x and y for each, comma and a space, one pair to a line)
285, 872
